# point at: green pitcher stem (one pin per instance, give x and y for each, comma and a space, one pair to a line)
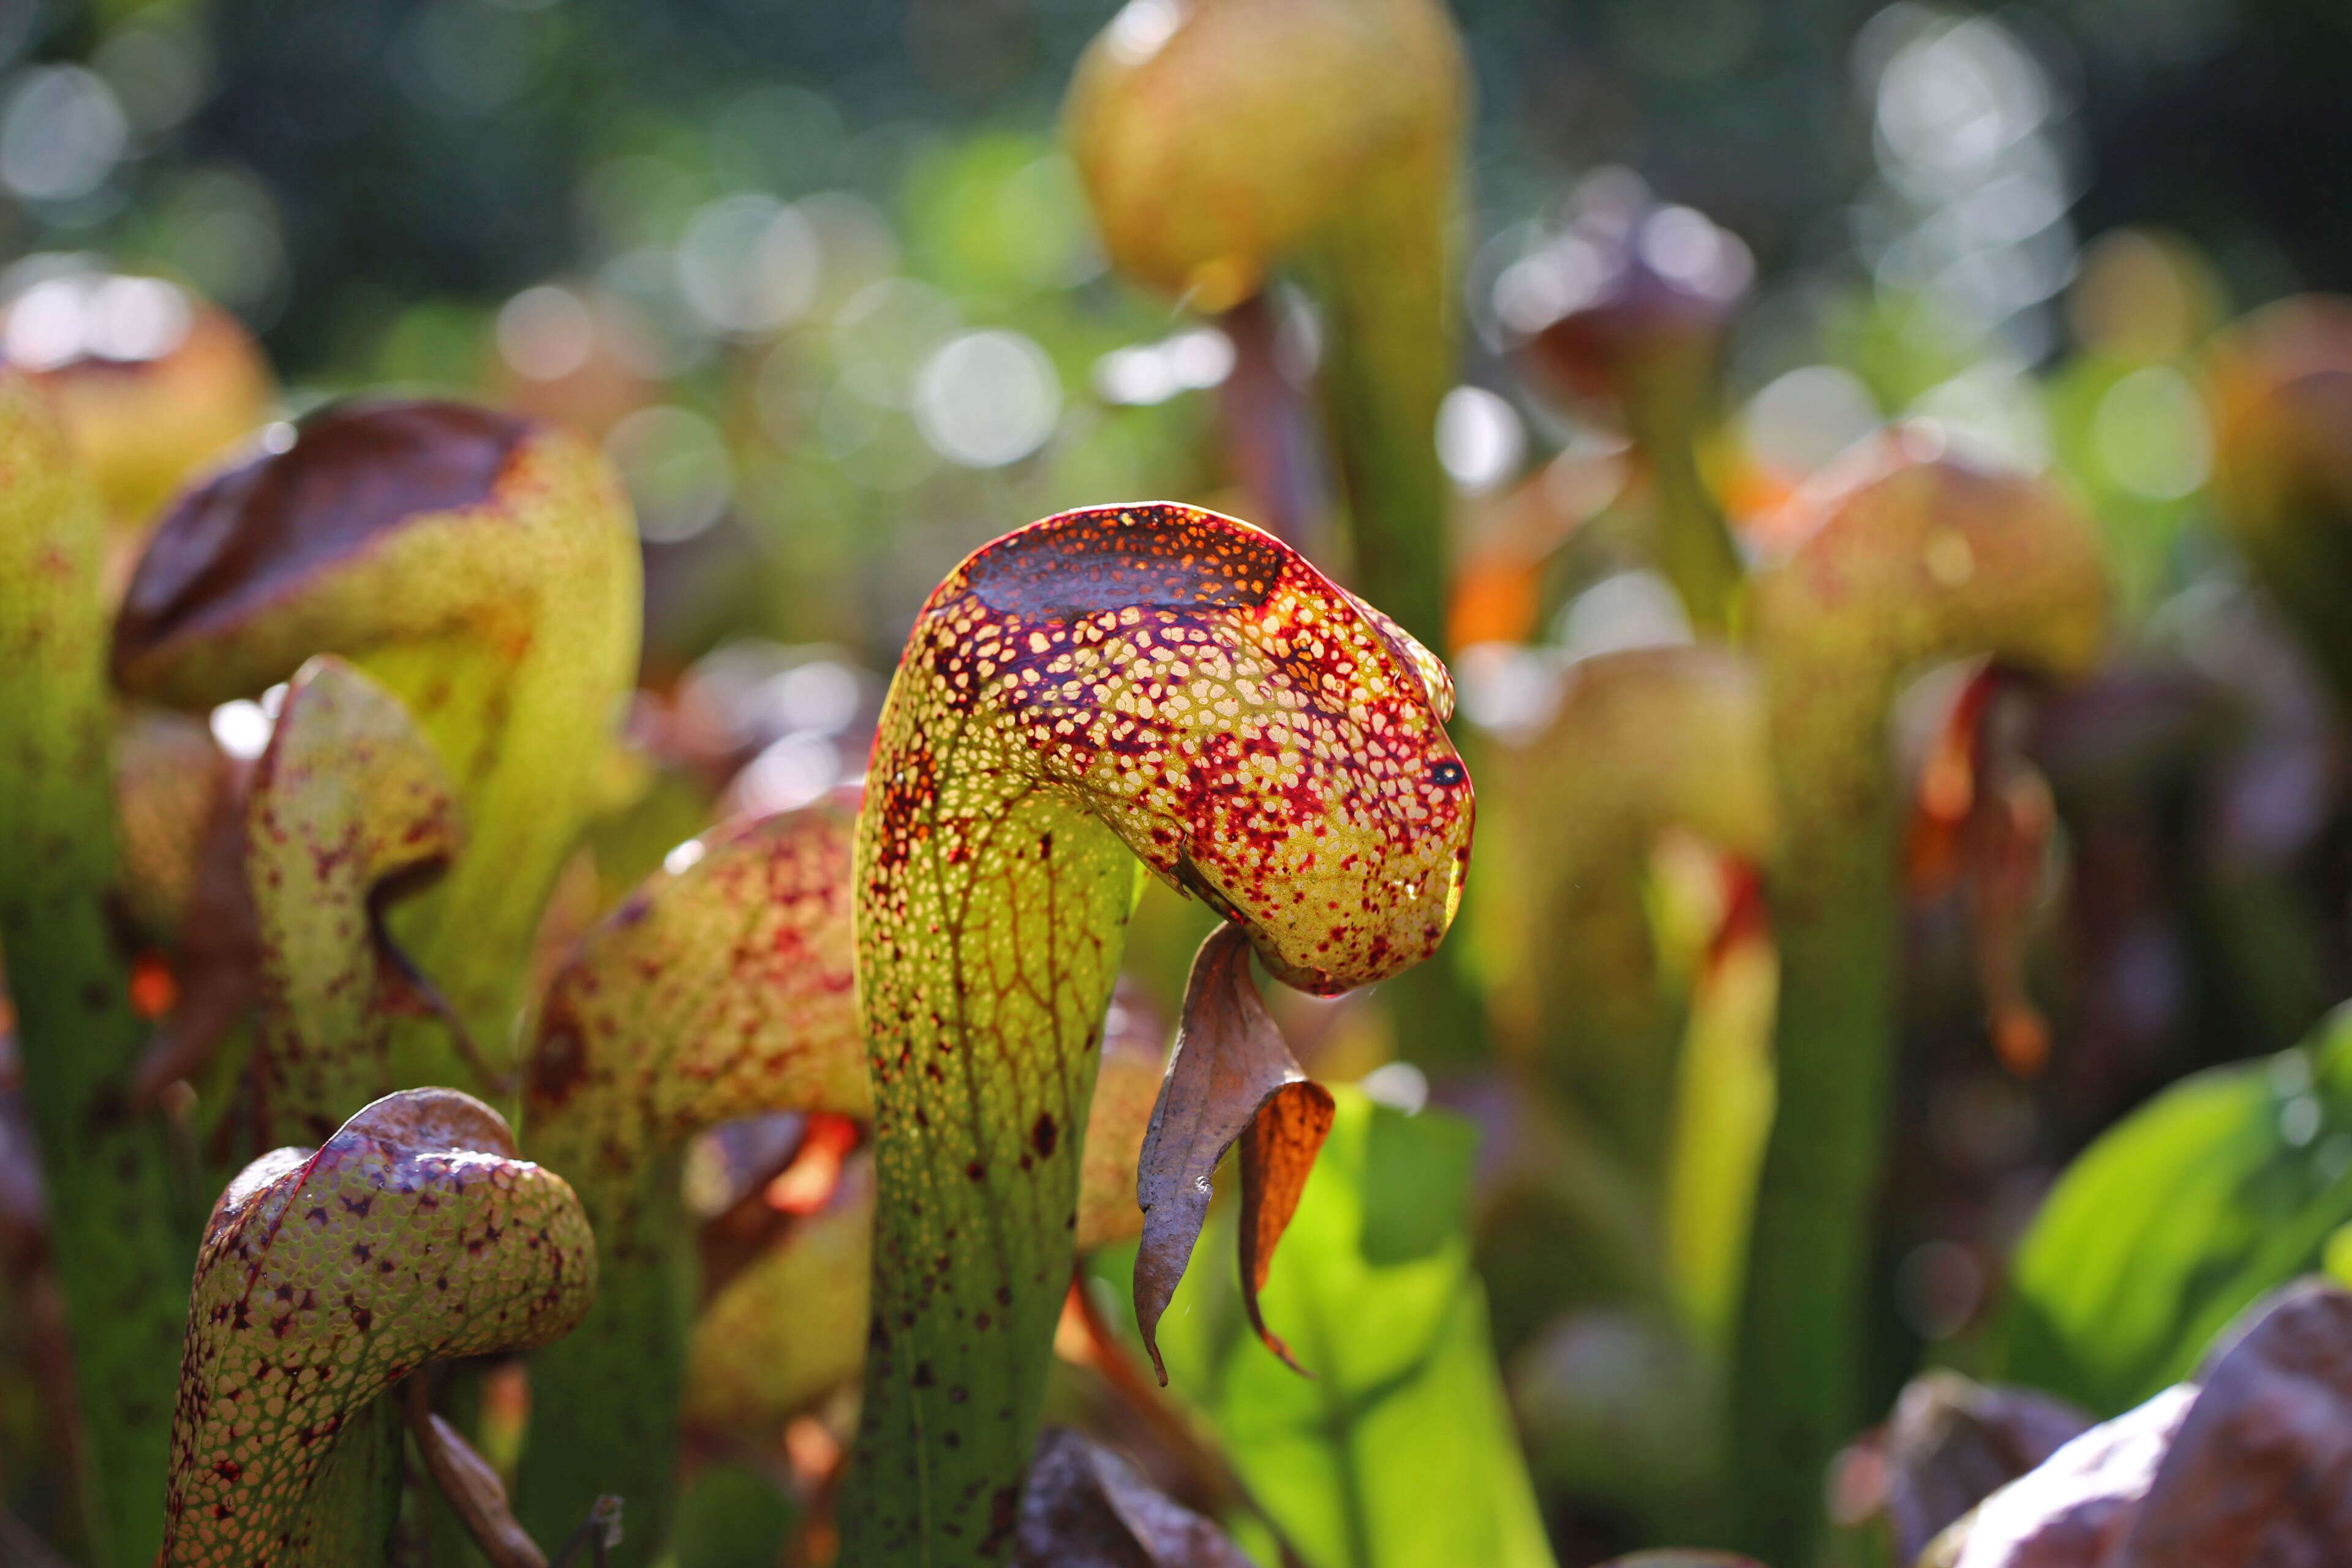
983, 1040
1837, 917
1924, 560
121, 1262
605, 1400
1663, 394
1385, 278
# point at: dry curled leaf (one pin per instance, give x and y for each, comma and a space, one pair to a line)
473, 1489
1278, 1154
1086, 1507
1230, 1067
1982, 821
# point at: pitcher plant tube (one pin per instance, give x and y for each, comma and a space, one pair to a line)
348, 809
718, 990
1906, 557
1106, 691
411, 1236
2281, 387
483, 570
119, 1255
1222, 141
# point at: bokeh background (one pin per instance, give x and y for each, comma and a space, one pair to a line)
824, 281
821, 282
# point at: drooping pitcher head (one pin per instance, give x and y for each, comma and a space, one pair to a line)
1261, 738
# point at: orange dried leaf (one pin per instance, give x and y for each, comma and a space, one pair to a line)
1277, 1155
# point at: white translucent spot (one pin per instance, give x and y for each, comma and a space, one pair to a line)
2290, 1074
678, 473
1954, 99
1507, 689
241, 729
748, 265
1628, 609
1399, 1086
136, 319
1136, 376
820, 695
45, 323
546, 332
685, 857
1481, 439
278, 436
1990, 415
1800, 421
2151, 434
1141, 26
1681, 244
791, 773
1198, 359
986, 399
62, 133
1537, 290
2299, 1120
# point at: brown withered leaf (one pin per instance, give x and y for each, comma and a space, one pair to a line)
1953, 1442
476, 1494
1084, 1507
1230, 1067
1278, 1152
2261, 1470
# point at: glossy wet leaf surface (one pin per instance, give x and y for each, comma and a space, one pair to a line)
2224, 1187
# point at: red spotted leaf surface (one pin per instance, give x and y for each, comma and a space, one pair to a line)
349, 808
412, 1235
